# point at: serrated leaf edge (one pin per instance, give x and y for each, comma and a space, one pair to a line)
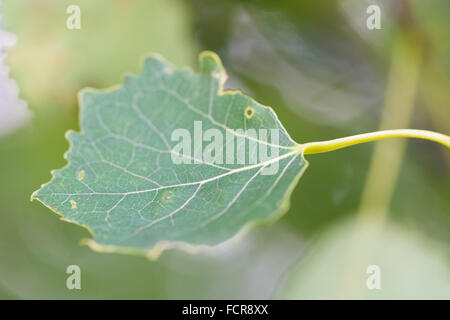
163, 245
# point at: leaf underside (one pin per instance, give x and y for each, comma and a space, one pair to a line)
121, 183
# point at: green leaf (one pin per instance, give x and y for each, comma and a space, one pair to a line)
336, 266
121, 181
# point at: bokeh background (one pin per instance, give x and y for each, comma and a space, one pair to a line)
325, 74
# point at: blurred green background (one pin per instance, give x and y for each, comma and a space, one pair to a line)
325, 74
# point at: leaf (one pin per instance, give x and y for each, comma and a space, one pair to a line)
411, 266
13, 111
122, 184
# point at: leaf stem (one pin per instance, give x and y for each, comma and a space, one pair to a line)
330, 145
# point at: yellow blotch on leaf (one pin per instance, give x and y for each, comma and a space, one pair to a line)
249, 112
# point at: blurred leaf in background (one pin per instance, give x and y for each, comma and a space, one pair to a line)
336, 267
13, 111
53, 62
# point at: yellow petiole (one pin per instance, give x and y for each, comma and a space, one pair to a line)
330, 145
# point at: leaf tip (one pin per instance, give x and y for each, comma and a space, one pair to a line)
33, 196
210, 63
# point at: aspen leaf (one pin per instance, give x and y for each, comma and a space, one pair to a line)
121, 181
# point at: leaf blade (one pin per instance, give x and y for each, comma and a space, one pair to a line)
121, 182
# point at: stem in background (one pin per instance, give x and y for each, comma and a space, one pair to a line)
326, 146
384, 169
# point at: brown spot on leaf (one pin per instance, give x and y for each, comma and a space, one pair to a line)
167, 195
